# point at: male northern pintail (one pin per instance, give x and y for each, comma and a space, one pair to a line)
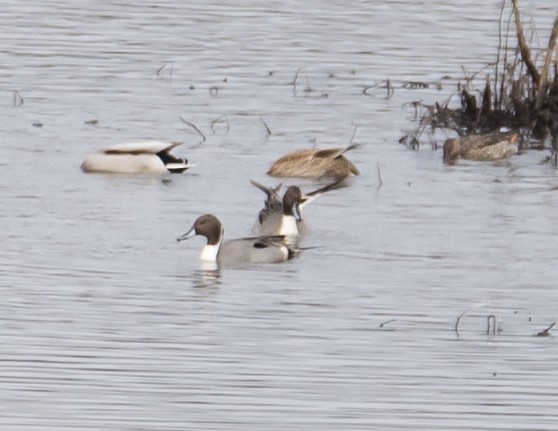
315, 163
136, 157
492, 146
284, 216
263, 249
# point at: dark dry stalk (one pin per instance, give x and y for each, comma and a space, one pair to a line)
161, 68
524, 48
381, 182
492, 318
17, 99
354, 134
386, 322
543, 88
267, 129
218, 120
546, 332
390, 89
193, 126
498, 54
296, 79
505, 64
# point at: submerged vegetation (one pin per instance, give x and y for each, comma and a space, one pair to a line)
521, 94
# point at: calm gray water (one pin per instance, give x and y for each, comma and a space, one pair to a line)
107, 323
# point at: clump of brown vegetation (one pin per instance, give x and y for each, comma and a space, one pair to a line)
520, 94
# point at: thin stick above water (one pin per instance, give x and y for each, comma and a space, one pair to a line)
193, 126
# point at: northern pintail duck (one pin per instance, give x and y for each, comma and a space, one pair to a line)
136, 157
284, 216
315, 163
492, 146
263, 249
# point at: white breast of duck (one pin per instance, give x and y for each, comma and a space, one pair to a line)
209, 253
288, 225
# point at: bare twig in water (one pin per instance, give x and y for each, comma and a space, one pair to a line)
163, 66
491, 318
295, 81
267, 129
546, 332
17, 99
381, 182
414, 85
524, 48
365, 90
498, 53
390, 89
386, 322
308, 89
218, 120
543, 87
354, 134
193, 126
456, 328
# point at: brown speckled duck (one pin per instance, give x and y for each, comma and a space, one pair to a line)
492, 146
315, 163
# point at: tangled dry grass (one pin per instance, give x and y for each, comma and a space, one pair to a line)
521, 94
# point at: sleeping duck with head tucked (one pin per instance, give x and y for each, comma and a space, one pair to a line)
136, 158
315, 163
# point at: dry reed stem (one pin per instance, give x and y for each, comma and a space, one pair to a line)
544, 75
193, 126
217, 120
546, 332
524, 48
267, 129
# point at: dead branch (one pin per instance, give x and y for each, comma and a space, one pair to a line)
380, 181
386, 322
267, 129
307, 89
217, 120
354, 134
193, 126
390, 89
546, 332
543, 87
17, 99
524, 48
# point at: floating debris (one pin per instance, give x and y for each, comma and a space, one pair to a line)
546, 332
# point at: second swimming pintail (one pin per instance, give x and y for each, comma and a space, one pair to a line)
284, 216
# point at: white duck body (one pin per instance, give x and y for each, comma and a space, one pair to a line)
136, 157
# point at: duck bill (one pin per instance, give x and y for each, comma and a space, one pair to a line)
189, 234
306, 199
